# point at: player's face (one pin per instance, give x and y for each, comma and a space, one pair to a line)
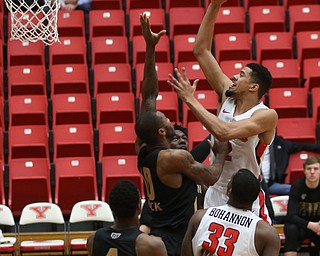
312, 173
240, 83
180, 141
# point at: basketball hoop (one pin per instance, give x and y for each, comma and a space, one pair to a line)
34, 20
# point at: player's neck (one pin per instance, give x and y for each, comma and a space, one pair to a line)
243, 106
121, 224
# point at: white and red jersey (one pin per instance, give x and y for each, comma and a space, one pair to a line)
225, 230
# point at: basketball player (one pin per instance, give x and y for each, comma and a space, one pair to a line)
124, 238
243, 120
170, 175
232, 229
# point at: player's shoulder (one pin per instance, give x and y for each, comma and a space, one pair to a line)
266, 232
147, 245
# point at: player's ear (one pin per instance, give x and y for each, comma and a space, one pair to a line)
254, 87
162, 131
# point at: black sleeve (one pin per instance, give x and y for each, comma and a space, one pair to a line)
202, 150
296, 146
145, 218
293, 206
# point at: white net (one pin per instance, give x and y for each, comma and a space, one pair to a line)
34, 20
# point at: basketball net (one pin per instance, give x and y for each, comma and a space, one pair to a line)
34, 20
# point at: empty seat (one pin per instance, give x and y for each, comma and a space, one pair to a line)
301, 129
71, 50
233, 67
183, 48
27, 80
273, 45
311, 72
28, 142
106, 5
230, 20
115, 108
71, 23
157, 20
116, 168
139, 50
250, 3
7, 245
196, 133
287, 3
71, 109
316, 104
227, 3
106, 50
106, 23
29, 182
112, 78
185, 20
167, 103
162, 68
141, 4
73, 140
285, 72
2, 194
71, 173
69, 78
304, 18
289, 102
208, 99
181, 3
308, 45
25, 53
279, 205
236, 46
195, 72
267, 19
116, 139
28, 110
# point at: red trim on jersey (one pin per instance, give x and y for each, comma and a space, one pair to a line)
260, 148
262, 213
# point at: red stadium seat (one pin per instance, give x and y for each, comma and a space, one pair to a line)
112, 78
71, 50
162, 68
316, 104
73, 140
287, 3
25, 53
107, 50
115, 108
115, 168
157, 20
72, 173
116, 139
69, 78
236, 46
194, 72
308, 45
267, 19
167, 103
196, 133
182, 3
183, 48
208, 99
285, 72
227, 3
230, 20
106, 23
233, 67
304, 18
311, 72
249, 3
29, 181
71, 109
274, 45
106, 5
185, 20
71, 23
141, 4
301, 129
28, 110
1, 49
28, 142
27, 80
289, 102
2, 193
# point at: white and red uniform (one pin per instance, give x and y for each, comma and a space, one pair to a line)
243, 153
225, 230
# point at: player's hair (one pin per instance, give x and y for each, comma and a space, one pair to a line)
181, 128
245, 187
147, 126
261, 76
124, 199
311, 160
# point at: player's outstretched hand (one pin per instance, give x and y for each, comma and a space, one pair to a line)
150, 37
